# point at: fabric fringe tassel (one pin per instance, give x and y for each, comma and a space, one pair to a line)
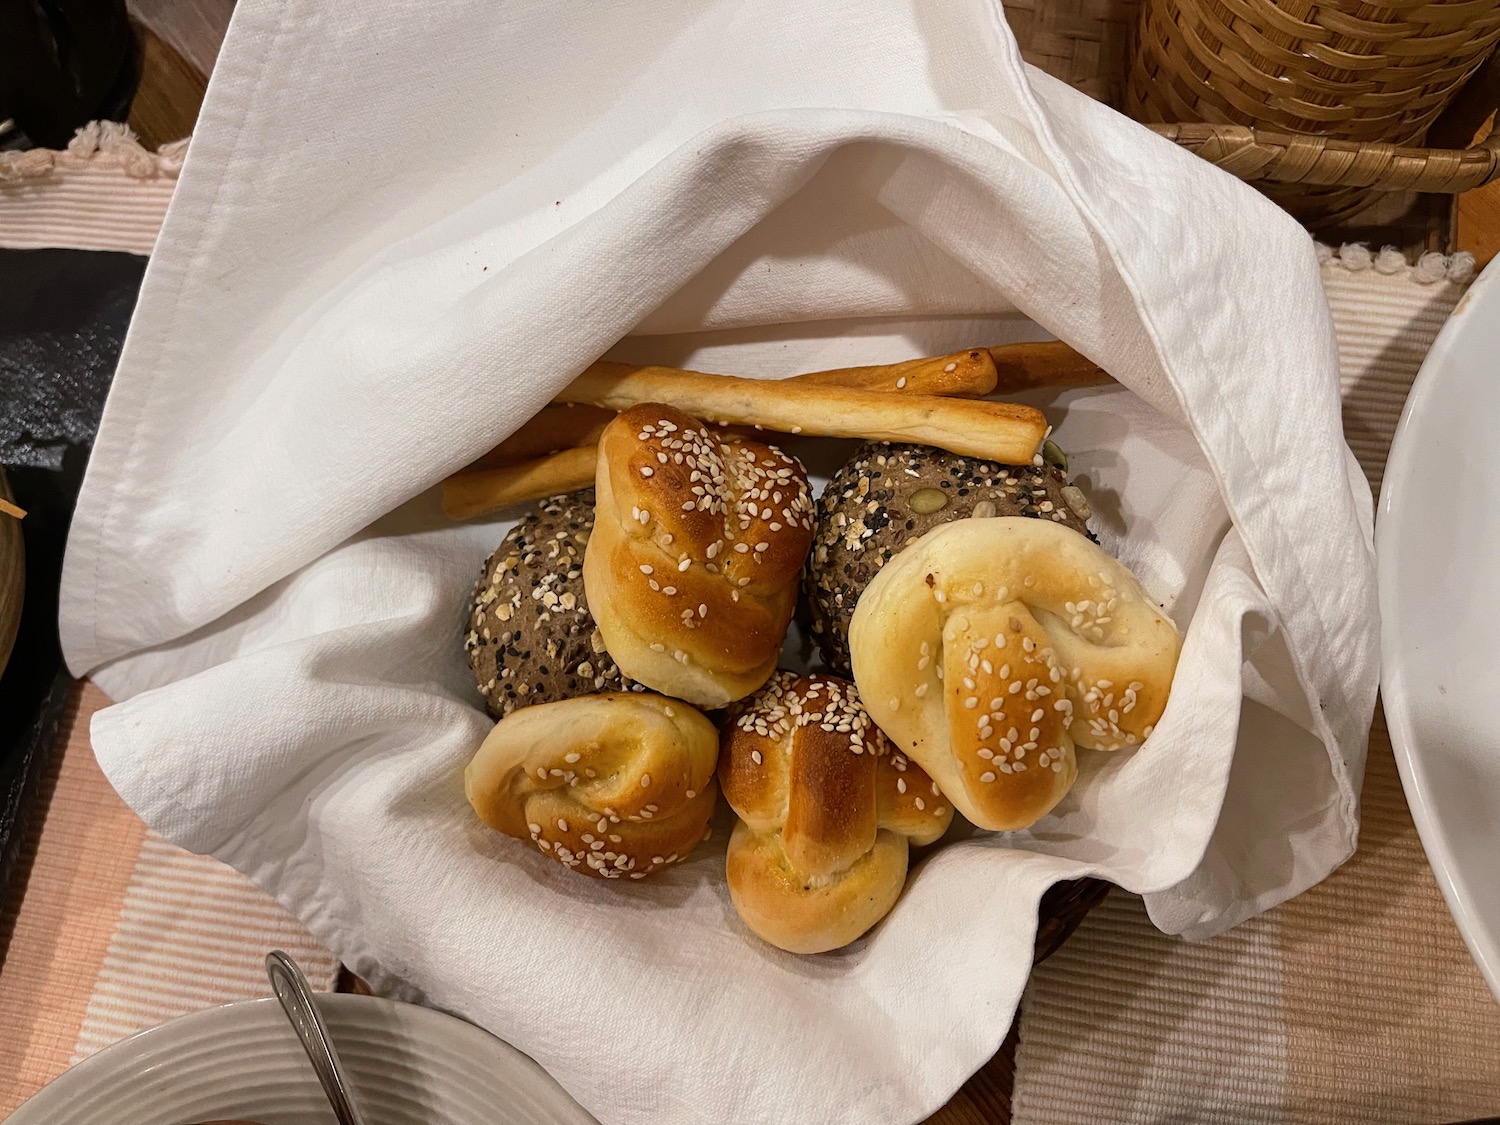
98, 143
1429, 269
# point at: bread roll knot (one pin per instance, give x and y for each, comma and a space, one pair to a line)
692, 568
989, 649
615, 785
827, 809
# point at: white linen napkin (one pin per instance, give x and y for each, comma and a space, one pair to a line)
401, 228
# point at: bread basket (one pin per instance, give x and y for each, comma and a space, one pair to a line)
1317, 104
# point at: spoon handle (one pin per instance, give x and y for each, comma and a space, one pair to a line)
296, 997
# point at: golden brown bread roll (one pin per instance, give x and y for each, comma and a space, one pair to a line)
988, 649
692, 568
827, 809
613, 785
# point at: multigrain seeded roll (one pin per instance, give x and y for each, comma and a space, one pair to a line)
531, 637
888, 495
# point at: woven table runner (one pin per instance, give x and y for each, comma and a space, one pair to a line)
103, 192
1355, 1001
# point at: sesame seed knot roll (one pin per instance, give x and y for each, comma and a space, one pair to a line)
615, 785
989, 649
693, 564
827, 808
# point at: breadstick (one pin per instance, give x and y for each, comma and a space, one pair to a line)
11, 510
997, 431
564, 425
470, 494
1049, 363
969, 374
555, 427
536, 460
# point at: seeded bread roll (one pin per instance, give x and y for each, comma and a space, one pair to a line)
693, 566
616, 786
531, 637
888, 495
828, 810
989, 650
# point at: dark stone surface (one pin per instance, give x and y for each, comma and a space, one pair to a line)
63, 315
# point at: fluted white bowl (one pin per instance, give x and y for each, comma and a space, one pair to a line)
408, 1066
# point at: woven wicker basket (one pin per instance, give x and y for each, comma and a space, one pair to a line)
1316, 103
1328, 94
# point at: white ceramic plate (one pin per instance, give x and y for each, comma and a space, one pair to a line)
408, 1065
1437, 538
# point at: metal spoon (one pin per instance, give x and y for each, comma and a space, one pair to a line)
296, 996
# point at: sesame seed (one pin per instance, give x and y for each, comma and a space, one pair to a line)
987, 776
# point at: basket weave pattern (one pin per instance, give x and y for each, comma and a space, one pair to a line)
1334, 94
1354, 69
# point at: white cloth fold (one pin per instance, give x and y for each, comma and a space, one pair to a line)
372, 271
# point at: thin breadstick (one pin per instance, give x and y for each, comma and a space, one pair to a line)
466, 495
564, 425
556, 426
11, 510
996, 431
969, 374
1049, 363
537, 461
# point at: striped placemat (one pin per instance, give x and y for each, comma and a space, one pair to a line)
191, 933
103, 192
1355, 1001
113, 930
